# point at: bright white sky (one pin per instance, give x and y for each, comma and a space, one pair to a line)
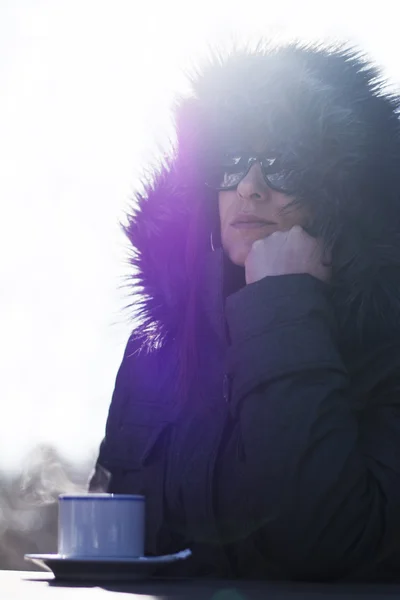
85, 90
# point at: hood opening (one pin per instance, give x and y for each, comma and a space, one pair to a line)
328, 114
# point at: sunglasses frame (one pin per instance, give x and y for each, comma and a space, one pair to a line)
252, 160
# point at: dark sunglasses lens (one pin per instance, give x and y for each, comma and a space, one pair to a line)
231, 180
222, 180
228, 172
281, 181
226, 175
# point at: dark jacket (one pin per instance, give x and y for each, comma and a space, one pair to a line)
283, 458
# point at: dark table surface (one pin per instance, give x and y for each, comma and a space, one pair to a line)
23, 585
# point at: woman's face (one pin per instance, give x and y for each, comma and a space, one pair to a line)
251, 212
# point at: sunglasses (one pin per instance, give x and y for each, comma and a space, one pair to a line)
232, 168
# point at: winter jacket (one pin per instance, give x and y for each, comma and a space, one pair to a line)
282, 458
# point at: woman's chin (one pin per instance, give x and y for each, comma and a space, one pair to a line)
238, 254
238, 245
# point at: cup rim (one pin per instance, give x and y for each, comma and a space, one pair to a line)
100, 496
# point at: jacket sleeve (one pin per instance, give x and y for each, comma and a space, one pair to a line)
325, 477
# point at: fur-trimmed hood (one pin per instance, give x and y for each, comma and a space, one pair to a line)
331, 119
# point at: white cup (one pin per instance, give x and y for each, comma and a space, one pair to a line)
101, 525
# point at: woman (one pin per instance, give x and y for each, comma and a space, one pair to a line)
258, 402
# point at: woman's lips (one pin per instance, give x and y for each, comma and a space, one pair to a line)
251, 223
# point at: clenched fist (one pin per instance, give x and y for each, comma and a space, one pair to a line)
287, 253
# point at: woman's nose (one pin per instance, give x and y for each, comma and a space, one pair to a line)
253, 186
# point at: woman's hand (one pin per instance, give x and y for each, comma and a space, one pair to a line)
287, 253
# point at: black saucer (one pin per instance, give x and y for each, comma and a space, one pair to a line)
79, 568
